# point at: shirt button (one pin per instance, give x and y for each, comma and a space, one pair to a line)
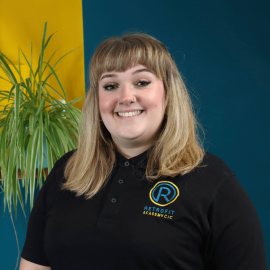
113, 200
120, 181
126, 163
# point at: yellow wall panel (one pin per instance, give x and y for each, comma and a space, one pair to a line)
23, 21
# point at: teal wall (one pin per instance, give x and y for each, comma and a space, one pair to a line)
222, 50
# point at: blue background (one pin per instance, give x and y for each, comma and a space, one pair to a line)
222, 50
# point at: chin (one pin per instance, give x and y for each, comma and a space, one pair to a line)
131, 137
128, 136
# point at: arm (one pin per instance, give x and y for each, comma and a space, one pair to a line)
26, 265
33, 254
236, 241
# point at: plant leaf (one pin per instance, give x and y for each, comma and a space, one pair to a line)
11, 162
54, 90
46, 43
31, 124
5, 80
20, 197
33, 161
68, 133
50, 59
51, 141
10, 92
58, 141
40, 151
22, 132
64, 56
14, 186
7, 69
60, 84
17, 105
31, 157
30, 66
61, 137
42, 51
74, 100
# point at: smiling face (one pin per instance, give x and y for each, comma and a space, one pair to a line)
132, 90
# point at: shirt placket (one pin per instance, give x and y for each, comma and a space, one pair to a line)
115, 196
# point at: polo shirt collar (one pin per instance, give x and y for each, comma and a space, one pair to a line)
139, 161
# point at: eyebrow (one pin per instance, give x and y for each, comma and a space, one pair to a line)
136, 71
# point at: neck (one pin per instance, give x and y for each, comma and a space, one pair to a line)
131, 152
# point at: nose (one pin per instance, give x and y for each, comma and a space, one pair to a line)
126, 96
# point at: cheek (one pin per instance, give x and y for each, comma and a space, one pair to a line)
106, 103
156, 99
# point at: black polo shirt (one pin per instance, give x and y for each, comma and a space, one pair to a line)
202, 220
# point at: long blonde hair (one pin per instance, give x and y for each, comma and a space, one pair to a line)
177, 148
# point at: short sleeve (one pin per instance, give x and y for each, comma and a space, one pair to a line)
33, 249
236, 240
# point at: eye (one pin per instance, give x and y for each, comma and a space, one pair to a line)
110, 87
145, 83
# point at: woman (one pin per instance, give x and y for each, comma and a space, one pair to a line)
140, 192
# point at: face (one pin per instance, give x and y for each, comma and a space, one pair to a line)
131, 91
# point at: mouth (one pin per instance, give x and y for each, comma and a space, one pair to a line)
129, 117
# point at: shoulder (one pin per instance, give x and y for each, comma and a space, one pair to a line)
211, 173
56, 175
61, 162
59, 166
214, 166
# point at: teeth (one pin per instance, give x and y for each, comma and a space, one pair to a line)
129, 114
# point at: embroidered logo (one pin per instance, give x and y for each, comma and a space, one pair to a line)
164, 193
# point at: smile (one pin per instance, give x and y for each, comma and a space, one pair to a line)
129, 115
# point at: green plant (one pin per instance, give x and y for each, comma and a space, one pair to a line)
26, 119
